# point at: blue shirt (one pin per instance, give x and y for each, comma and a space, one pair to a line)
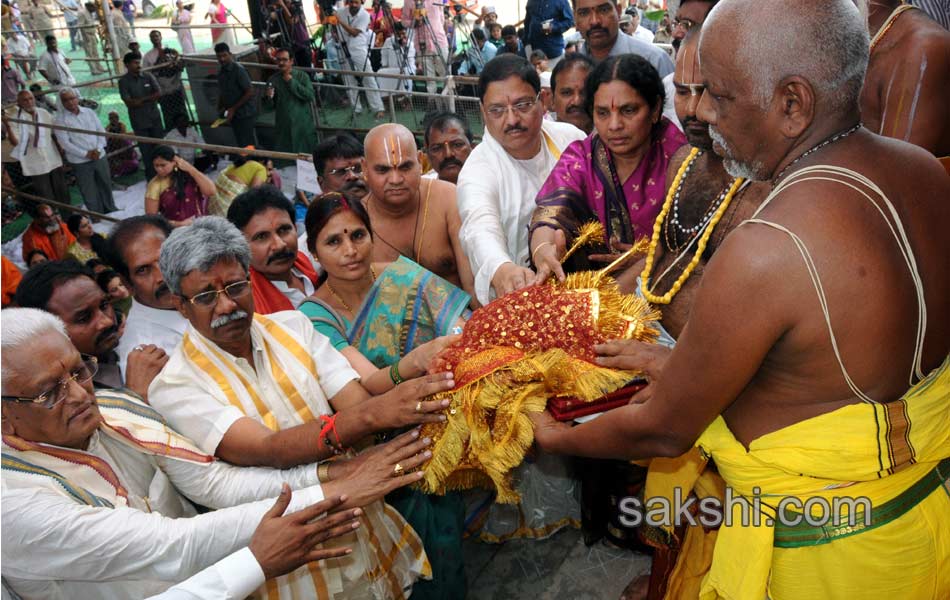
561, 17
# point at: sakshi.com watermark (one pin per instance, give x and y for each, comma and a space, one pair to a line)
743, 510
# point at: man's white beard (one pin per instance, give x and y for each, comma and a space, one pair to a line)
732, 166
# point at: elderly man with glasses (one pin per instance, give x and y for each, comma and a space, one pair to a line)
100, 487
271, 391
499, 182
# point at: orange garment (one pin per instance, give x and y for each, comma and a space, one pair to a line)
11, 279
267, 298
53, 245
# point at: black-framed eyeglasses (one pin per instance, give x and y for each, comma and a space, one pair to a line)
453, 145
86, 370
354, 169
497, 111
210, 298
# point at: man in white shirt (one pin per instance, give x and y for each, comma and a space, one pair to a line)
85, 152
397, 57
269, 390
22, 50
282, 277
183, 132
355, 38
97, 484
133, 251
35, 149
635, 28
54, 65
499, 182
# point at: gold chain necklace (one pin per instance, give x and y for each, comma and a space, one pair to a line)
700, 247
337, 296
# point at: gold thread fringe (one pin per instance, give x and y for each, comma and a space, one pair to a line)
488, 428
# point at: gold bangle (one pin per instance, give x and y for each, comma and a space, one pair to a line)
323, 472
539, 246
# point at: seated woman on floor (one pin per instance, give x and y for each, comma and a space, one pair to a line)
241, 175
179, 191
121, 163
389, 320
88, 243
617, 175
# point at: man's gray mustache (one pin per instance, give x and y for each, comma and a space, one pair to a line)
225, 319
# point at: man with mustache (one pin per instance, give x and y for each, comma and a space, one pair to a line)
795, 372
567, 90
448, 143
598, 21
281, 276
689, 14
69, 290
338, 161
133, 251
102, 488
268, 390
47, 233
411, 216
502, 176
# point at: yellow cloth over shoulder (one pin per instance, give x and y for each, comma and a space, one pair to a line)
888, 453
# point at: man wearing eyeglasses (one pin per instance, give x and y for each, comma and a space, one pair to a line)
598, 21
69, 290
499, 182
291, 92
98, 485
690, 14
268, 390
338, 161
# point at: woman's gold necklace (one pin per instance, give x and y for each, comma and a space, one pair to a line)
372, 272
700, 246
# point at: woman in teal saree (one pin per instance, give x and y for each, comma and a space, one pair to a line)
389, 320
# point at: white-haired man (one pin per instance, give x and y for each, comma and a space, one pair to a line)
96, 485
85, 152
810, 369
269, 390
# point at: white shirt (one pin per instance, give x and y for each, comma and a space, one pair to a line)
496, 196
147, 325
295, 296
54, 63
356, 44
182, 392
392, 57
669, 107
19, 46
233, 577
37, 156
191, 135
128, 552
643, 34
76, 145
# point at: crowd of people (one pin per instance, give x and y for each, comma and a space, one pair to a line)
226, 395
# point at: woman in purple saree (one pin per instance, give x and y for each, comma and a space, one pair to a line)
618, 174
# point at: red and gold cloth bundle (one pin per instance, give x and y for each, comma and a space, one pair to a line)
515, 353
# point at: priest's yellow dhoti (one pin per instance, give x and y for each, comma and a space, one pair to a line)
877, 451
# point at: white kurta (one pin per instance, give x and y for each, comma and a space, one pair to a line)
147, 325
234, 576
127, 551
496, 194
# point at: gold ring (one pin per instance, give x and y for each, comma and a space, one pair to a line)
397, 470
419, 406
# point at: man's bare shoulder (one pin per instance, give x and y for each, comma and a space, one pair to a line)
441, 194
676, 161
